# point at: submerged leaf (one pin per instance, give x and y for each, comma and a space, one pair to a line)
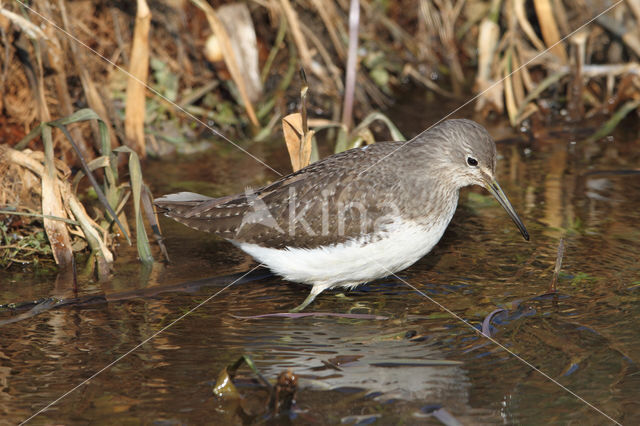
486, 324
224, 387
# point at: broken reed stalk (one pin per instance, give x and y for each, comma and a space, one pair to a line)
298, 143
575, 104
352, 61
488, 38
304, 90
57, 232
139, 70
297, 136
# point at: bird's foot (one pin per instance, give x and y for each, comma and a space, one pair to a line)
315, 290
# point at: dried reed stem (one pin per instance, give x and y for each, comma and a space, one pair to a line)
139, 71
352, 62
549, 28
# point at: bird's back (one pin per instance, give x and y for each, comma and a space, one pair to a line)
333, 200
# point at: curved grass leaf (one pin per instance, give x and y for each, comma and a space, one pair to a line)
92, 179
396, 135
96, 163
135, 172
152, 218
34, 133
535, 93
615, 119
41, 216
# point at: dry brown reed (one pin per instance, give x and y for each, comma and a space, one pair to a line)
139, 69
531, 58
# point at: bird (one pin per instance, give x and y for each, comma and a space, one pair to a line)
356, 216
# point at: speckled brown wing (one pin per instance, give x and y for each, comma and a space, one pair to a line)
330, 201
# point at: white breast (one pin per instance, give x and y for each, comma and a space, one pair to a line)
353, 262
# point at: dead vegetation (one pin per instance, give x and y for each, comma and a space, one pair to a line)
561, 59
231, 68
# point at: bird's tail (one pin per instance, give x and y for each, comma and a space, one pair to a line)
180, 204
199, 212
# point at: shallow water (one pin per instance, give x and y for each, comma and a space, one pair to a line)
389, 371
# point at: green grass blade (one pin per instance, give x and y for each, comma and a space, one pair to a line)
135, 172
87, 114
34, 133
84, 114
535, 93
94, 164
615, 119
395, 133
40, 216
341, 141
152, 218
92, 179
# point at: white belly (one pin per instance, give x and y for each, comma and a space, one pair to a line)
354, 262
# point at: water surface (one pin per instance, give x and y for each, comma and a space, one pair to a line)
393, 370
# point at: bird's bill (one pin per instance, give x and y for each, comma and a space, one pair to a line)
495, 190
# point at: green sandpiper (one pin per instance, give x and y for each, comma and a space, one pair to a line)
353, 217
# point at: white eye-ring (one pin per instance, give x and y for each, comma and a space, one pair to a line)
472, 161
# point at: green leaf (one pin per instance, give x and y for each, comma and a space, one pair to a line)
615, 119
395, 133
85, 167
135, 172
31, 136
544, 84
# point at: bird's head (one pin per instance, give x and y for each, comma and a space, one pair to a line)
466, 153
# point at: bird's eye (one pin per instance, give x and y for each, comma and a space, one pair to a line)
472, 161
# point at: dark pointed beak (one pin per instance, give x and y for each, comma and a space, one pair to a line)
493, 187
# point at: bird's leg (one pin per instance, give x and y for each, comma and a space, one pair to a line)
315, 290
